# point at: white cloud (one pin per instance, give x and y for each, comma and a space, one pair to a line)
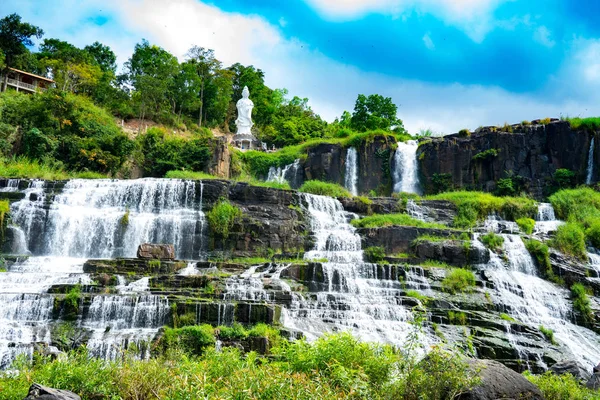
544, 36
428, 42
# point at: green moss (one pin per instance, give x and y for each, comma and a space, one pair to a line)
416, 295
324, 189
507, 317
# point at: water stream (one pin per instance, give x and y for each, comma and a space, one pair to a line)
351, 176
590, 164
405, 170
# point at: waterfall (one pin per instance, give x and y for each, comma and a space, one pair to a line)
590, 164
406, 168
351, 177
286, 174
536, 302
545, 221
93, 219
356, 296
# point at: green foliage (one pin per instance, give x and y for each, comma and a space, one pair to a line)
381, 220
21, 167
71, 303
457, 318
416, 295
561, 387
441, 182
539, 251
486, 155
505, 187
526, 225
570, 239
580, 207
374, 112
222, 217
591, 124
474, 206
493, 241
507, 317
458, 280
324, 189
564, 178
581, 302
189, 339
548, 333
189, 175
374, 254
464, 133
15, 38
124, 221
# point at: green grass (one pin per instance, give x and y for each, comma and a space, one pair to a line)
324, 189
21, 167
476, 206
507, 317
581, 302
435, 264
459, 280
486, 155
492, 241
548, 333
189, 175
540, 252
416, 295
382, 220
561, 387
374, 254
457, 318
570, 239
222, 217
591, 124
526, 225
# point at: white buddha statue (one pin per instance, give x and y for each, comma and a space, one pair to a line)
244, 120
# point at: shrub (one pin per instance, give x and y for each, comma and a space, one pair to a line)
458, 280
548, 333
507, 128
486, 155
593, 232
526, 225
192, 340
441, 182
564, 178
71, 303
222, 217
581, 302
492, 241
381, 220
525, 123
539, 251
464, 133
416, 295
591, 124
457, 318
560, 387
324, 189
374, 254
570, 239
505, 187
545, 121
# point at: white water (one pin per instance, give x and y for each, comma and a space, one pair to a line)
285, 174
546, 221
537, 302
351, 176
405, 170
590, 164
356, 296
83, 221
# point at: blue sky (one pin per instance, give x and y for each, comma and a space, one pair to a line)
448, 64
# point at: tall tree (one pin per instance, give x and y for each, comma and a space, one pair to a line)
151, 71
103, 56
15, 36
374, 112
206, 65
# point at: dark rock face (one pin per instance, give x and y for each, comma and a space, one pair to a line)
326, 162
150, 251
532, 152
453, 252
398, 239
572, 367
500, 382
40, 392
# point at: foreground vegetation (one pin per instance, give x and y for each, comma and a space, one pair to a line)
335, 366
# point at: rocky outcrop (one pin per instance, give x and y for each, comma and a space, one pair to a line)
500, 382
399, 239
454, 252
572, 367
220, 163
37, 391
532, 152
149, 251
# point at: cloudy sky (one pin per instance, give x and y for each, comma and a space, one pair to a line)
448, 64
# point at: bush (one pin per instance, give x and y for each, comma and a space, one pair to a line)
505, 187
441, 182
591, 124
190, 339
457, 318
324, 189
493, 241
486, 155
570, 239
548, 333
526, 225
564, 178
458, 280
374, 254
560, 387
222, 217
464, 133
539, 251
581, 302
381, 220
593, 232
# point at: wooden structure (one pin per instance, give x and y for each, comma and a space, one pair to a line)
25, 81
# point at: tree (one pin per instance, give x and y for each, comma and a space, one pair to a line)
151, 71
15, 36
260, 94
184, 91
104, 57
206, 65
374, 112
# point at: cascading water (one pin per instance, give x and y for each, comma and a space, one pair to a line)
406, 168
546, 221
536, 302
590, 164
286, 174
94, 219
351, 177
355, 295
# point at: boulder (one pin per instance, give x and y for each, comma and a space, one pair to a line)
571, 367
40, 392
594, 381
500, 382
156, 251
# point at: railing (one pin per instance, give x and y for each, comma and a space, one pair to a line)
21, 85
